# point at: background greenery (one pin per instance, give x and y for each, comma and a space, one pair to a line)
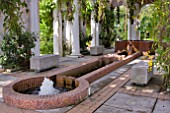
46, 26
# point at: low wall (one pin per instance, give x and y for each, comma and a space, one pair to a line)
141, 45
91, 77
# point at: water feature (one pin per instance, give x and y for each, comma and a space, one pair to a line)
13, 94
47, 88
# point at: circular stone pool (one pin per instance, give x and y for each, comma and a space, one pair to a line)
13, 97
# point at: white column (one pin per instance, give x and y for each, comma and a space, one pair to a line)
97, 34
26, 16
133, 33
60, 34
1, 27
75, 32
68, 34
34, 21
57, 31
93, 29
138, 31
129, 30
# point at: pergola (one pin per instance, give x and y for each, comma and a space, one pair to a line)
72, 36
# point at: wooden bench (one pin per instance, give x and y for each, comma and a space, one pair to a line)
40, 63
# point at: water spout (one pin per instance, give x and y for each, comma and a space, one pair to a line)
47, 88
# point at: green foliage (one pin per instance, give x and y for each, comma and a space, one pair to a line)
131, 6
85, 15
12, 12
146, 18
120, 24
107, 34
67, 8
17, 50
161, 33
85, 10
16, 44
46, 26
99, 9
114, 26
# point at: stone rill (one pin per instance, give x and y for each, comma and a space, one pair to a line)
65, 78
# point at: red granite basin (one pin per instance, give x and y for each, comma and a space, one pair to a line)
12, 96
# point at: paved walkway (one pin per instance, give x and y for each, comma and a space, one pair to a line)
115, 98
115, 95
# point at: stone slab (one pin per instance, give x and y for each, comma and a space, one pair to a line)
110, 109
5, 80
162, 106
131, 103
58, 110
39, 63
141, 73
96, 50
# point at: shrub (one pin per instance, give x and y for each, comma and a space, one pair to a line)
16, 50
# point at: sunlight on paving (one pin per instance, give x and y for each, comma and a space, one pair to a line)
134, 62
130, 88
113, 85
126, 76
4, 83
0, 92
113, 77
148, 90
122, 78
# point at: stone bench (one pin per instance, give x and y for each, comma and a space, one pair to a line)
142, 72
40, 63
96, 50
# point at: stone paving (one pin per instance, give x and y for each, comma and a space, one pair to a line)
131, 103
111, 94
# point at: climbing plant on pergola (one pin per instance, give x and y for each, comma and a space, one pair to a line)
16, 44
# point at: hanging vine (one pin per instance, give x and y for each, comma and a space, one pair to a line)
131, 6
16, 44
11, 9
67, 9
99, 9
118, 15
85, 10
